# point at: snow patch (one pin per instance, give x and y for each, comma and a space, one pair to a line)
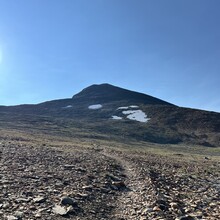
68, 106
122, 108
127, 107
136, 115
134, 106
116, 117
97, 106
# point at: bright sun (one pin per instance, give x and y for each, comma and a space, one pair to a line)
0, 56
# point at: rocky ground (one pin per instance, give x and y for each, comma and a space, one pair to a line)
41, 181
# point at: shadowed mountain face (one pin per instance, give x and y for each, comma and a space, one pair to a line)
109, 112
107, 93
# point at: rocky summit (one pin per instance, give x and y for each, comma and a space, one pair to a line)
109, 153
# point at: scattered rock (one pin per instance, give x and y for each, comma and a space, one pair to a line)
88, 188
186, 218
38, 215
68, 166
82, 195
174, 205
68, 201
60, 210
112, 177
39, 199
119, 184
156, 208
19, 214
11, 217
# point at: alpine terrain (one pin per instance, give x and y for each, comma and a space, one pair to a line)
109, 153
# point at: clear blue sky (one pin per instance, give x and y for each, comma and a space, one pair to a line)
51, 49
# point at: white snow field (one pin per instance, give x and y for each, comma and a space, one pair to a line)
96, 106
68, 106
134, 106
136, 115
116, 117
127, 107
122, 108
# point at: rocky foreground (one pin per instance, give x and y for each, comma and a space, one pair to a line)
57, 182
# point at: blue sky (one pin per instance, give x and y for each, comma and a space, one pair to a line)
51, 49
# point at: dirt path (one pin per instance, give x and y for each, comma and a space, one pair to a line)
160, 188
135, 201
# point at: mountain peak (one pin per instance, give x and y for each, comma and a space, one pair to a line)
103, 93
102, 87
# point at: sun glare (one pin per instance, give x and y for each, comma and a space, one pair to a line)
0, 56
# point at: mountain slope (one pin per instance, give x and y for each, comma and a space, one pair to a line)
121, 114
